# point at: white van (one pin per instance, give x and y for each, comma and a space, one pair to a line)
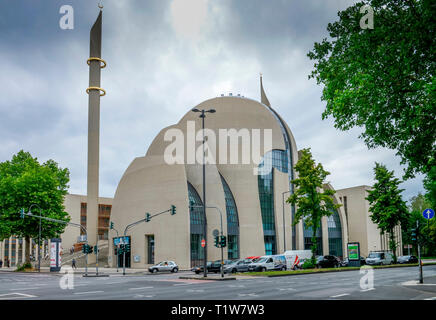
293, 257
379, 258
272, 262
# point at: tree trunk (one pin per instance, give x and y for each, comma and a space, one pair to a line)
314, 245
393, 244
27, 251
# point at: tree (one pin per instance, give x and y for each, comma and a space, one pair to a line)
25, 182
430, 187
388, 210
382, 79
427, 228
312, 200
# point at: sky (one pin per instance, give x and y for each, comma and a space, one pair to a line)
163, 58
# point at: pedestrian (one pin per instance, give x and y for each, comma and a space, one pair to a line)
73, 263
7, 263
72, 250
1, 263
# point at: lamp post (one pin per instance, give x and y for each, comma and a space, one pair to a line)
284, 228
39, 237
203, 116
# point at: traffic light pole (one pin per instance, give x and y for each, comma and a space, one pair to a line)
222, 248
63, 222
112, 228
147, 219
421, 280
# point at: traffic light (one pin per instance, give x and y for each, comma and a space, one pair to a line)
127, 248
121, 249
173, 209
217, 242
223, 241
89, 249
147, 217
95, 249
414, 234
84, 248
22, 213
112, 226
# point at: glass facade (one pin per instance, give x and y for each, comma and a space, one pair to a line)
275, 159
197, 219
335, 235
232, 222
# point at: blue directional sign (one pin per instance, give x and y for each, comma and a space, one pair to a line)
428, 213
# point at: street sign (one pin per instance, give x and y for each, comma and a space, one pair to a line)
203, 243
428, 213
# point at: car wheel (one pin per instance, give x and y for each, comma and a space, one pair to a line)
233, 270
263, 269
197, 272
154, 270
283, 268
175, 270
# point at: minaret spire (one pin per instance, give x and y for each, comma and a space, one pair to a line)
96, 63
263, 97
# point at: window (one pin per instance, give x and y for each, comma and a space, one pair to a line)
335, 234
232, 221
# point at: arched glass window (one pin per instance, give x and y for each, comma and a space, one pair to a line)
275, 159
232, 222
335, 234
307, 233
197, 218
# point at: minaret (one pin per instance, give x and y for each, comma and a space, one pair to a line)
94, 91
263, 97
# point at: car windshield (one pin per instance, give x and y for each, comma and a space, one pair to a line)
261, 260
374, 255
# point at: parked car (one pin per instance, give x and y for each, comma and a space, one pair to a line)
345, 262
212, 266
237, 266
407, 259
328, 262
164, 266
273, 262
379, 258
293, 257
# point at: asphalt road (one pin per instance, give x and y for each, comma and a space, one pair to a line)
394, 283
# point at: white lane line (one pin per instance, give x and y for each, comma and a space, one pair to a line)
23, 289
432, 298
370, 289
88, 292
114, 282
248, 294
288, 289
20, 296
340, 295
181, 284
141, 288
191, 290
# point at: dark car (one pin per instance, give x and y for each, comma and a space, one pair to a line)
345, 262
329, 262
407, 259
212, 266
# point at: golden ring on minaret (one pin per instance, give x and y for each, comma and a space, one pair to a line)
96, 59
96, 88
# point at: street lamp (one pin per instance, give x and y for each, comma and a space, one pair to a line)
284, 228
203, 116
39, 238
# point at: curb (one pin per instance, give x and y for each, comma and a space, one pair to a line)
203, 278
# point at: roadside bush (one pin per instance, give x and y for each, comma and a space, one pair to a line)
308, 264
23, 267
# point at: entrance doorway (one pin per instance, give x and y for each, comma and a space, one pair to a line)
149, 239
121, 260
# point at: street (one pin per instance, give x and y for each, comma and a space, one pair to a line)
391, 284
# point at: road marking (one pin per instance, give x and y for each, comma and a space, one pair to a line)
141, 288
142, 296
416, 283
340, 295
432, 298
236, 286
88, 292
248, 294
289, 289
192, 290
20, 296
19, 289
181, 284
370, 289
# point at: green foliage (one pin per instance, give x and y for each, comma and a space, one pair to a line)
23, 267
382, 79
388, 210
430, 187
25, 182
312, 198
308, 264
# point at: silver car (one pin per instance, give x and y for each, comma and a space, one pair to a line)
164, 266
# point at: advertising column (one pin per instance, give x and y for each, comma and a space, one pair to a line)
55, 254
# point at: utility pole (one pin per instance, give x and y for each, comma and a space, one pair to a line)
421, 280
